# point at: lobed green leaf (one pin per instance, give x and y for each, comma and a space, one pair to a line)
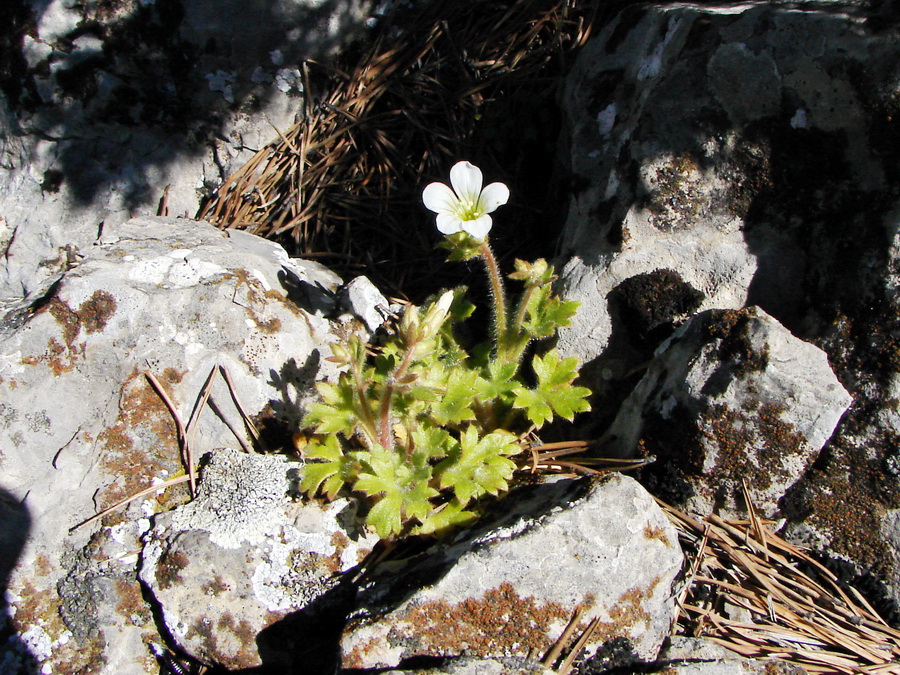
327, 469
545, 313
401, 492
479, 466
554, 392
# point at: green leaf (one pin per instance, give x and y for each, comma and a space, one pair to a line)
401, 492
337, 413
431, 442
554, 392
455, 404
331, 473
538, 273
545, 313
498, 381
479, 466
449, 515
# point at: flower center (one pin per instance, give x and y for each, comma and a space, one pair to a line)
468, 210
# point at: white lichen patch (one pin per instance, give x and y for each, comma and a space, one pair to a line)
222, 81
174, 270
289, 576
652, 64
238, 499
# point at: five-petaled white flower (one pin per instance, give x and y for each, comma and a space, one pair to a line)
465, 207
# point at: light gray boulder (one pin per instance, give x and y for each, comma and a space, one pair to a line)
723, 155
511, 585
242, 556
81, 427
113, 110
731, 395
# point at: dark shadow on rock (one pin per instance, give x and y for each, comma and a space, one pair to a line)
644, 309
15, 525
311, 297
389, 585
314, 633
137, 90
292, 382
818, 238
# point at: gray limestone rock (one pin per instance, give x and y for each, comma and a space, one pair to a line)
81, 428
470, 666
511, 585
116, 109
693, 656
242, 556
730, 395
730, 148
729, 155
362, 299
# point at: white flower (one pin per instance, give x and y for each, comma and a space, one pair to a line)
466, 206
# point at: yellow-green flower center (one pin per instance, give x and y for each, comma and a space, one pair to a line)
468, 209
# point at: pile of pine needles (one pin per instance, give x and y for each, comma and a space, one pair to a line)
754, 593
441, 81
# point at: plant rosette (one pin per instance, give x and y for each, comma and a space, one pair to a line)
421, 427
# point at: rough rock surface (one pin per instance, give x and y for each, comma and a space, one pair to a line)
717, 153
512, 584
691, 656
242, 556
81, 428
730, 395
109, 108
729, 155
470, 666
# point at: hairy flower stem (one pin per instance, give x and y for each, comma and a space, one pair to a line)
523, 307
367, 421
517, 339
493, 270
385, 436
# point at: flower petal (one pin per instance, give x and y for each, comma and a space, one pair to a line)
494, 195
466, 180
479, 227
448, 223
439, 198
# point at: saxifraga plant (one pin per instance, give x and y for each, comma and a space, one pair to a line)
420, 428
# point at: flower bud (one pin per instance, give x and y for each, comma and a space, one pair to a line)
340, 354
436, 315
409, 324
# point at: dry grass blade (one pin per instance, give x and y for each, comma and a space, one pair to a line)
692, 574
546, 457
178, 480
796, 610
180, 430
557, 648
756, 524
251, 427
194, 420
566, 666
184, 436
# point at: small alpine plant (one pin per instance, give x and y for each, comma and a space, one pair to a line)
421, 427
